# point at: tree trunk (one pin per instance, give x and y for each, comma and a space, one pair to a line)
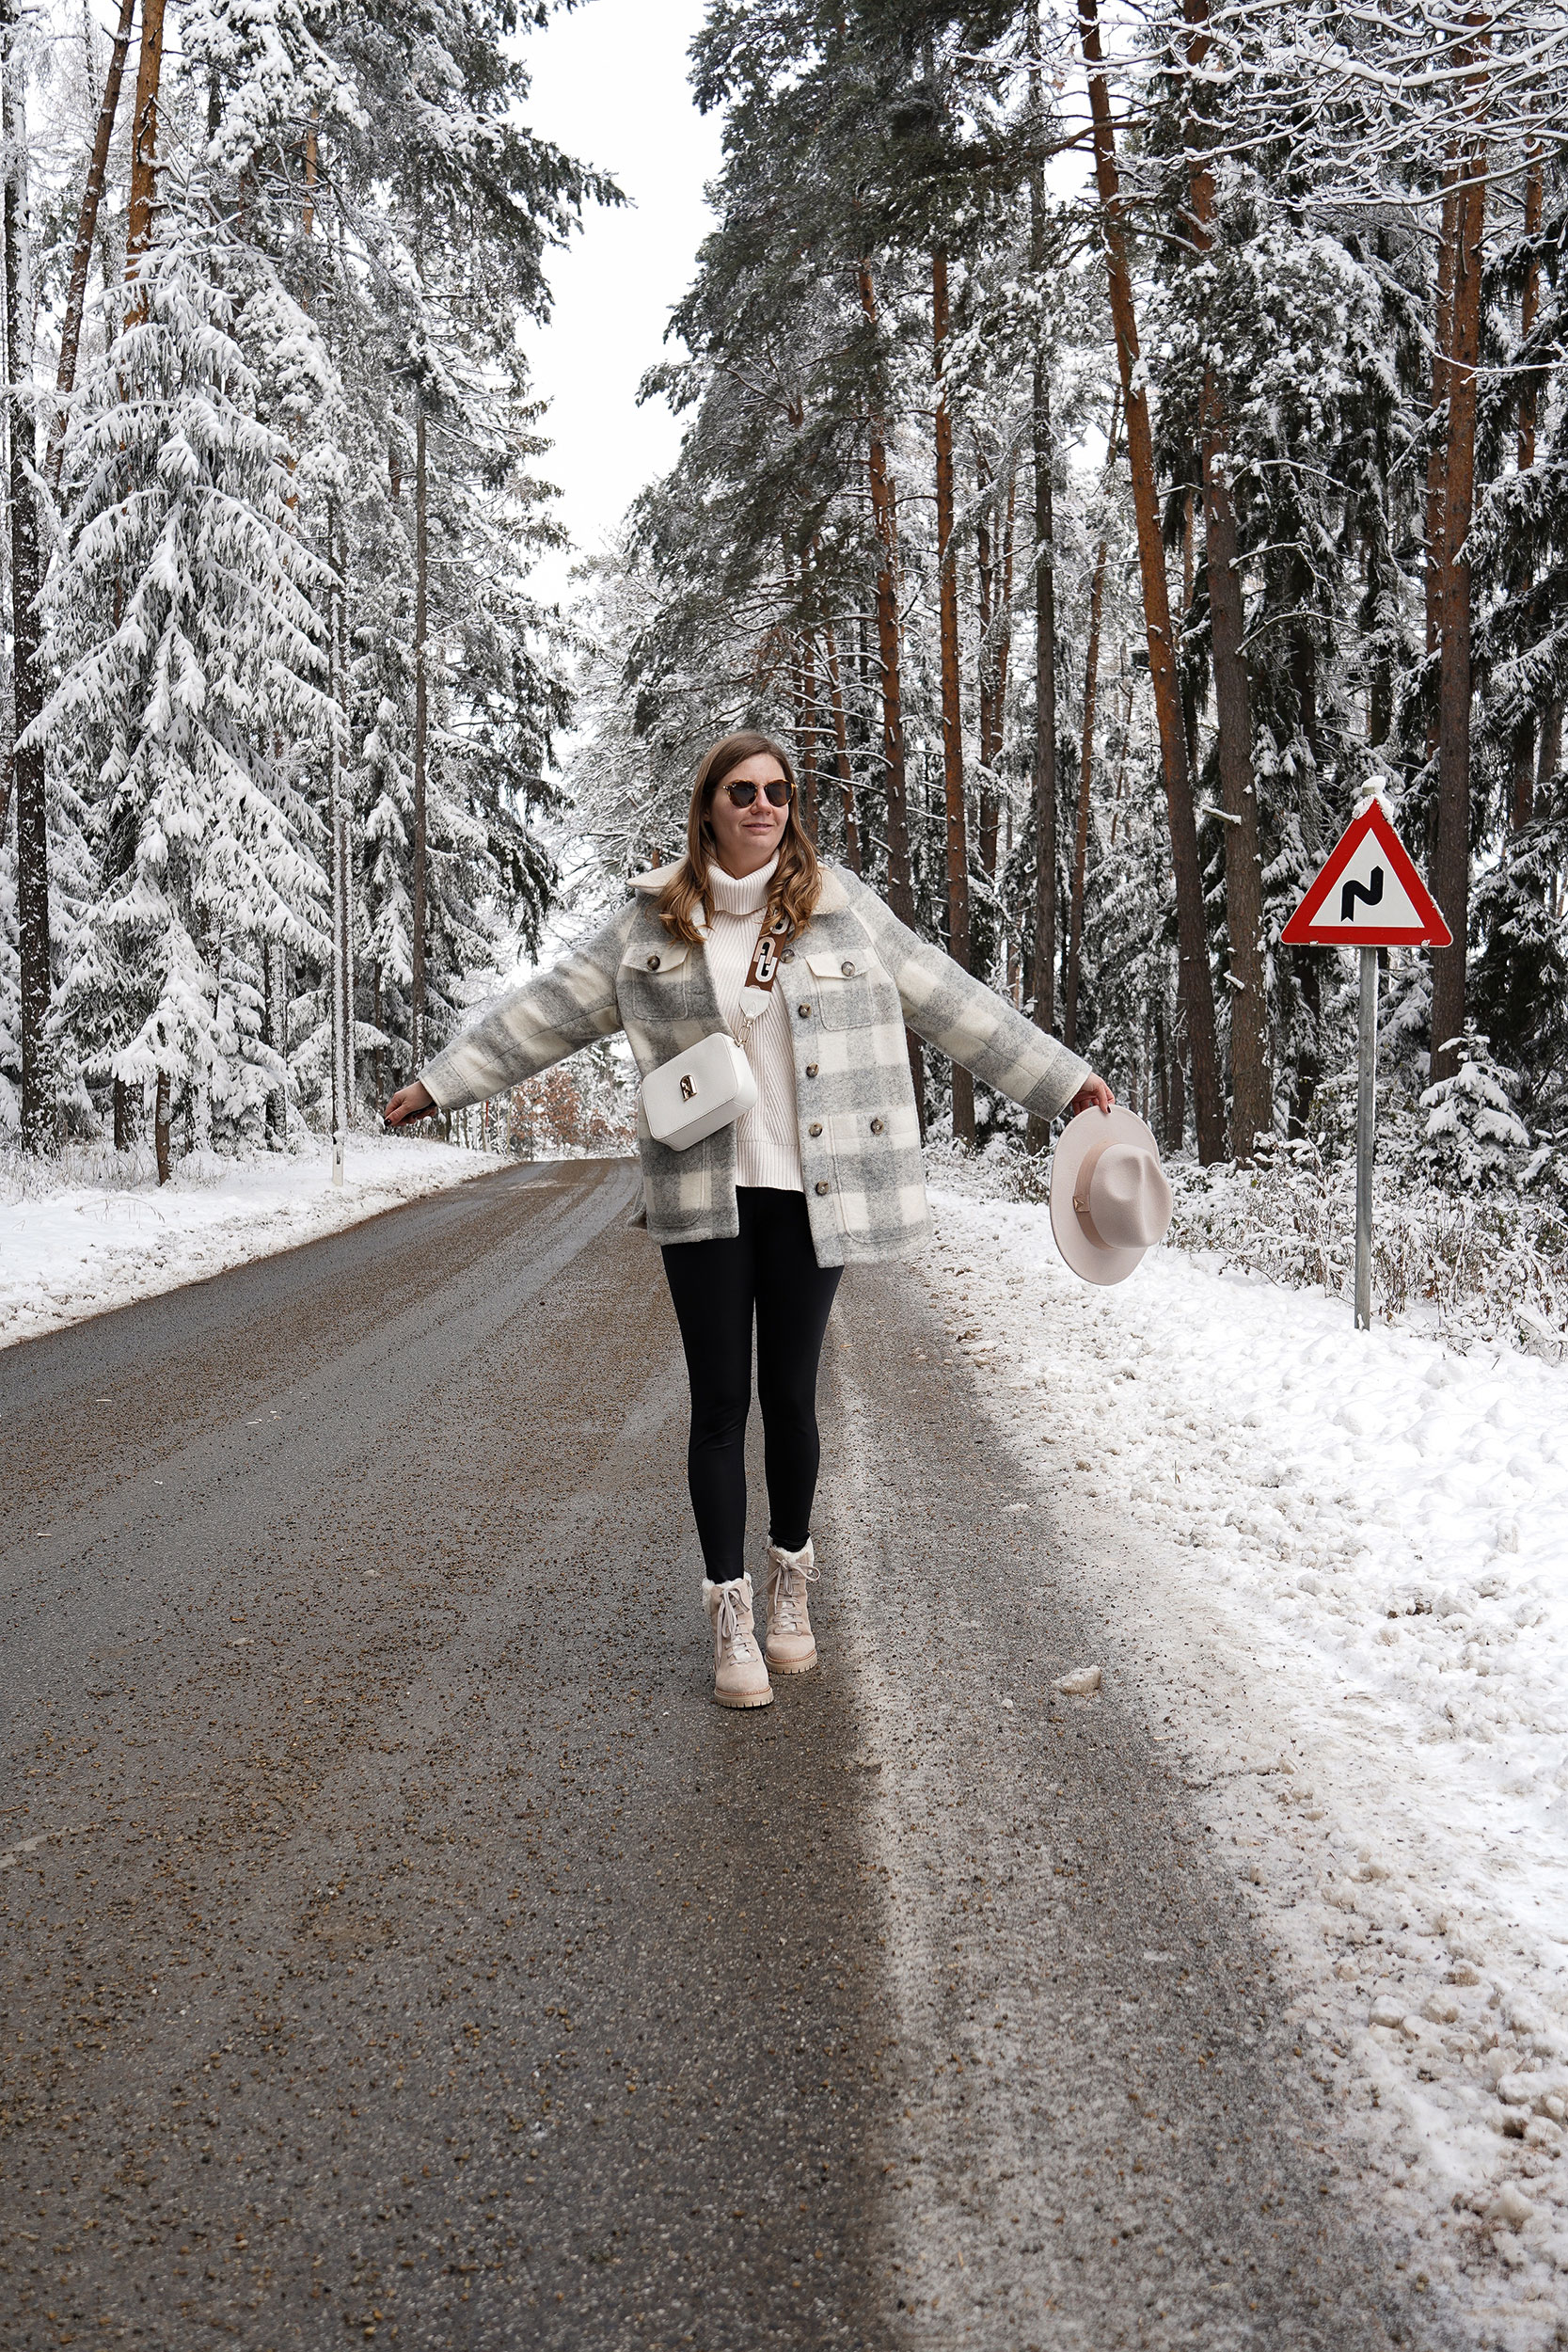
28, 683
1307, 963
1185, 671
161, 1127
1043, 944
1197, 996
1304, 666
81, 255
1252, 1089
841, 742
1437, 448
343, 925
1521, 807
1004, 613
951, 715
1450, 874
276, 972
144, 144
1126, 734
123, 1137
1522, 798
808, 716
884, 515
421, 729
312, 150
1085, 780
1309, 970
1086, 761
1550, 758
1043, 938
986, 666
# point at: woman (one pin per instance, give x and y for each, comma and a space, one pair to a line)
816, 979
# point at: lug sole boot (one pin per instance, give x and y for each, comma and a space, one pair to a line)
739, 1670
791, 1644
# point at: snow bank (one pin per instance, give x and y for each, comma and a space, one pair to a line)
1338, 1566
77, 1236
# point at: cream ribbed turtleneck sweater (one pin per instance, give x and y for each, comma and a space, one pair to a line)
768, 1146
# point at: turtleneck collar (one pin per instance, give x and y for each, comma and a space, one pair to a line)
746, 896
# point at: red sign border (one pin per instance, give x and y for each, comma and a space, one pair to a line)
1430, 931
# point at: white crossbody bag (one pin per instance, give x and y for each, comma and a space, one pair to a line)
712, 1083
698, 1093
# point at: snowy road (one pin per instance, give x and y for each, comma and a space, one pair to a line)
396, 1936
94, 1227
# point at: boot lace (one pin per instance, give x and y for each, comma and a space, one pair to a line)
790, 1579
727, 1625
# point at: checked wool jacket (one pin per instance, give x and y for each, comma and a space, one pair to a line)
851, 981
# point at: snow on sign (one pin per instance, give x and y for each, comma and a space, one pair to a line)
1368, 895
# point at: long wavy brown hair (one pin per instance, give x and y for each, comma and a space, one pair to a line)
796, 886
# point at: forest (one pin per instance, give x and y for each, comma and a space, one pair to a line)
278, 700
1116, 445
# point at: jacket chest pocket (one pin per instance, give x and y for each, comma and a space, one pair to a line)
654, 982
844, 981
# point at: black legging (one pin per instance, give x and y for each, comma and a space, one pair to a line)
770, 1270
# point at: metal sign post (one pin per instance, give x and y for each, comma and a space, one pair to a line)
1365, 1123
1366, 896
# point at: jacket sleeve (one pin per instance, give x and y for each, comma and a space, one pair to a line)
533, 1026
951, 1009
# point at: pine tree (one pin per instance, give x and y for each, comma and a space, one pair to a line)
190, 698
1474, 1139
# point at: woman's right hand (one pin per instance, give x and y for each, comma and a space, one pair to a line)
410, 1101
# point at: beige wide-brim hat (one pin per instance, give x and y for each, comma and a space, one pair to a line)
1109, 1199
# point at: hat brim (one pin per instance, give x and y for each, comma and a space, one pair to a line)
1087, 1133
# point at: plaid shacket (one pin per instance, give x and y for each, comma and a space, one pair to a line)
850, 982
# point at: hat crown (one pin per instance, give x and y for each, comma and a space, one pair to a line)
1129, 1198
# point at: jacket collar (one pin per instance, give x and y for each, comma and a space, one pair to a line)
833, 899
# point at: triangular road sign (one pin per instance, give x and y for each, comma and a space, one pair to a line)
1368, 895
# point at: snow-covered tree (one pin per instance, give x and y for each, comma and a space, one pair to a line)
185, 610
1474, 1138
294, 447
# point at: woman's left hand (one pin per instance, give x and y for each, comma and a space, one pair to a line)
1093, 1095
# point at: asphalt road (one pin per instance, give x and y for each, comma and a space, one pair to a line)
399, 1946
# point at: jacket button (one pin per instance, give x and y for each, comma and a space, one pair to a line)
788, 956
653, 963
824, 1188
810, 1069
848, 970
876, 1126
816, 1127
805, 1013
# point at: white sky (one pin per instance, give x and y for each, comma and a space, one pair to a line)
609, 85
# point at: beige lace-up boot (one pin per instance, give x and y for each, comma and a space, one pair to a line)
791, 1644
739, 1673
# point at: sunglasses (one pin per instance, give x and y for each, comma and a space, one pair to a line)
742, 795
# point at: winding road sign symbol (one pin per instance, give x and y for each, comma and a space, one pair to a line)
1371, 890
